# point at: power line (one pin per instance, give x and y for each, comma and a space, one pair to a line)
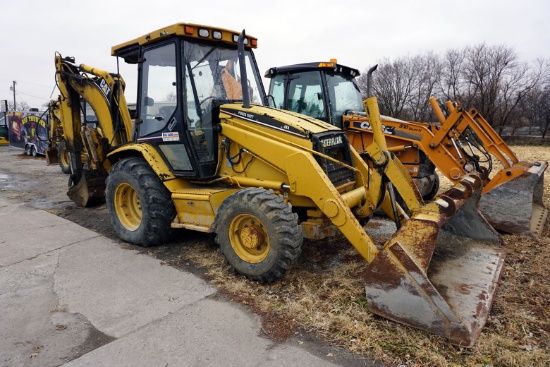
30, 95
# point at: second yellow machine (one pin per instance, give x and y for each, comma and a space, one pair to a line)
204, 153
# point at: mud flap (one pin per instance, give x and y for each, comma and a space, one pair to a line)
441, 280
89, 191
516, 206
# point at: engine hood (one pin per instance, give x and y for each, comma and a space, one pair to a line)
284, 121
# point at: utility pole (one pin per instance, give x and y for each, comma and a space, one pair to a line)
13, 88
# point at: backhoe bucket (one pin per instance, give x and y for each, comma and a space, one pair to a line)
516, 206
51, 156
440, 271
89, 191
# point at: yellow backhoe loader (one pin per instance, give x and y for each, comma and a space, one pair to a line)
206, 154
460, 143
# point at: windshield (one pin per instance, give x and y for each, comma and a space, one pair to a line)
213, 72
344, 95
212, 77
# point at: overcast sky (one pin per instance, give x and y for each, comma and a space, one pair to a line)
357, 33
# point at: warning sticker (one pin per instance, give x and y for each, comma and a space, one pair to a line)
172, 136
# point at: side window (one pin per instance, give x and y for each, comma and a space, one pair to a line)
305, 95
158, 101
344, 96
277, 91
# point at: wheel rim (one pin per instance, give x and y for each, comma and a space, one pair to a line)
127, 206
249, 238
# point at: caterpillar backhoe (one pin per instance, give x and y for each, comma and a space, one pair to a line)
206, 154
462, 142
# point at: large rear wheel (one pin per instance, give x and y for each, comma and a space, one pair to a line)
258, 234
63, 157
140, 206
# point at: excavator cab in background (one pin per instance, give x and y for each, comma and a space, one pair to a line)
205, 154
460, 143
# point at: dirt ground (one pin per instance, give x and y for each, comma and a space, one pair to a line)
322, 295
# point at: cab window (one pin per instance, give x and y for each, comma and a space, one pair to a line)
158, 89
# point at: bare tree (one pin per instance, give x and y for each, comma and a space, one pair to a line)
21, 106
489, 78
451, 81
426, 77
535, 107
393, 84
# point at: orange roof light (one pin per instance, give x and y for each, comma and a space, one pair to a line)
254, 42
189, 30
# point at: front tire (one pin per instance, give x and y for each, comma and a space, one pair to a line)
258, 234
140, 206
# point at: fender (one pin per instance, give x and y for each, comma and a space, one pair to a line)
149, 153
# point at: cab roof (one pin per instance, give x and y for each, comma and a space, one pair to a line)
310, 66
130, 50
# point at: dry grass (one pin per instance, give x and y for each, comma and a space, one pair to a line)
323, 294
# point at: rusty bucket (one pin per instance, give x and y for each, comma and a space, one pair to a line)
440, 271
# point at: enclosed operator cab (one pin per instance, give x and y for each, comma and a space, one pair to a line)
326, 90
182, 82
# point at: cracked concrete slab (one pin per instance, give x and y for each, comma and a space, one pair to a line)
121, 290
35, 331
206, 333
24, 236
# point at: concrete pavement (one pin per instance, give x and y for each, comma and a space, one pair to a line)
69, 296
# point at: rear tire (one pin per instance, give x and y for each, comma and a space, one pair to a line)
258, 234
33, 151
63, 157
28, 150
140, 206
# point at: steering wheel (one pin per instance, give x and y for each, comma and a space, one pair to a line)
204, 100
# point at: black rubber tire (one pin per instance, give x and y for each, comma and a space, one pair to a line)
28, 150
63, 162
279, 224
433, 192
34, 153
156, 206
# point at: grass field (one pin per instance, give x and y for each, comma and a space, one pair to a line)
323, 293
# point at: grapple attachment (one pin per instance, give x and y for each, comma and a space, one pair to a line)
440, 271
516, 206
